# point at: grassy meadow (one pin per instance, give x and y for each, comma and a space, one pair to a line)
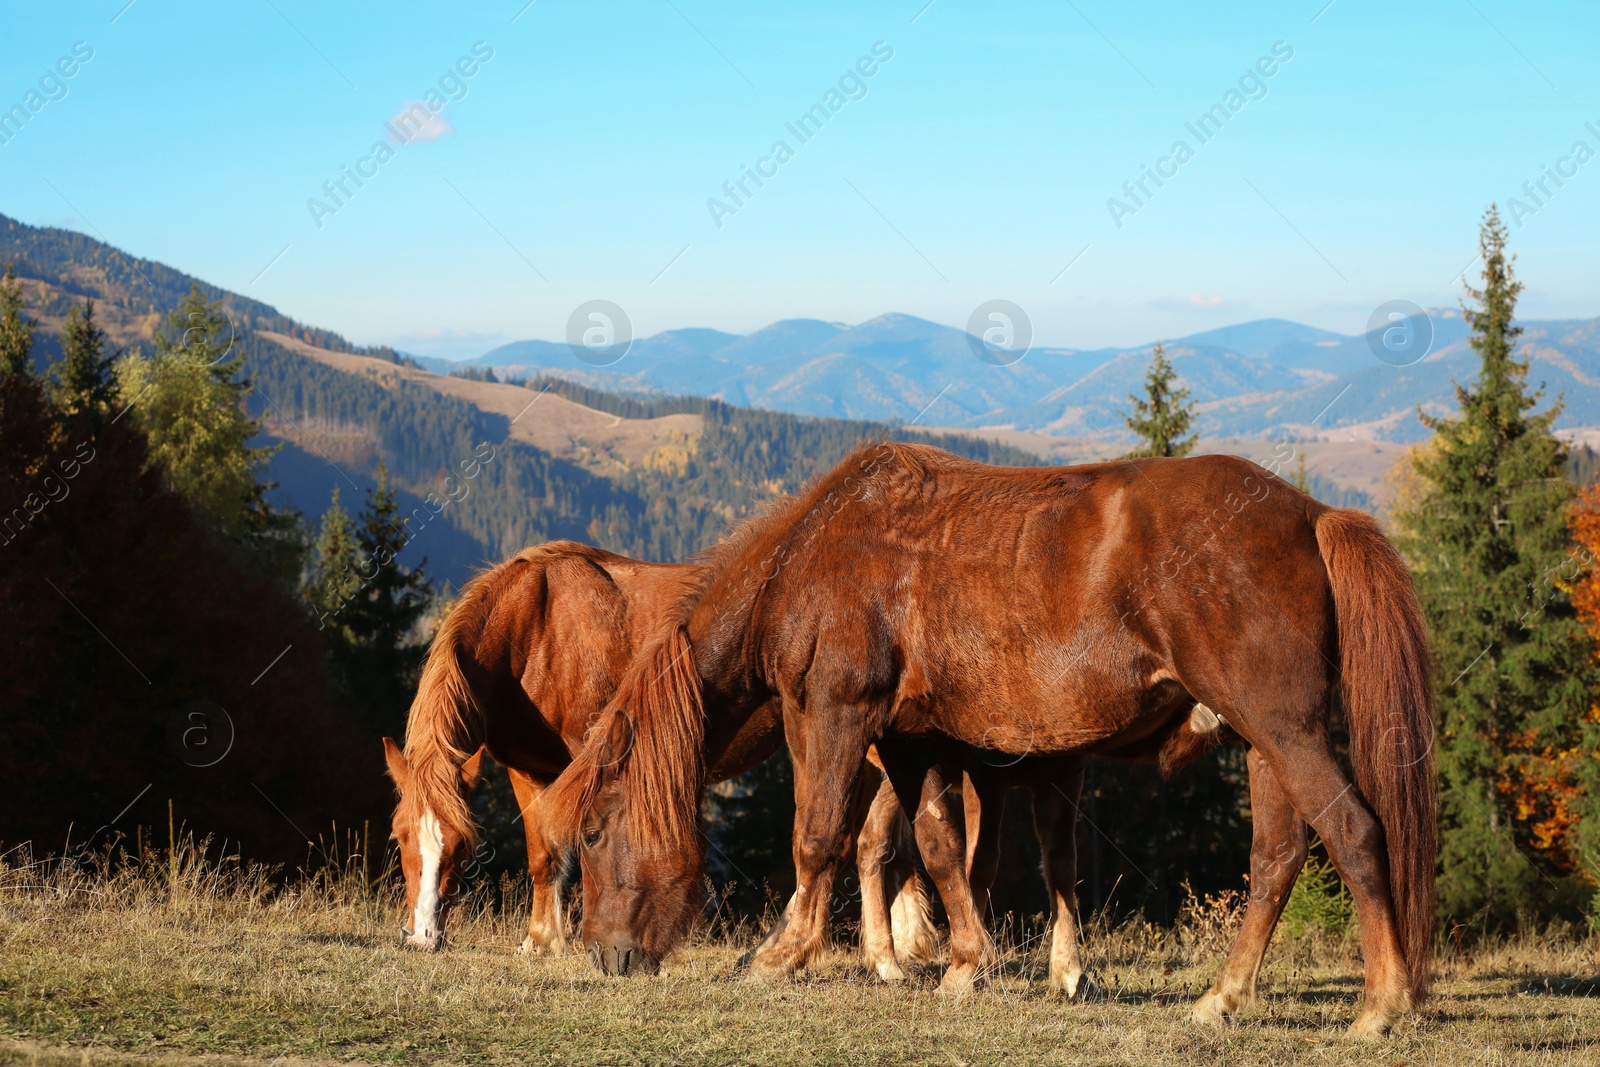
201, 962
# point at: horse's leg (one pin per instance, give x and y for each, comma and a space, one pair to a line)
546, 923
828, 749
1277, 852
925, 784
1298, 753
1055, 821
984, 802
874, 849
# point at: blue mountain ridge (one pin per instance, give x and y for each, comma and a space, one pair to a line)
1263, 378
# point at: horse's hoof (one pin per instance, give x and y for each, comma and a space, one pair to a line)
763, 972
1076, 987
1371, 1026
958, 981
1212, 1010
887, 969
532, 946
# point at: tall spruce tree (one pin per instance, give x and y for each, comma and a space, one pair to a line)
86, 377
1488, 543
1163, 418
334, 579
370, 607
16, 329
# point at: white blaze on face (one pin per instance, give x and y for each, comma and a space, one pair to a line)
430, 840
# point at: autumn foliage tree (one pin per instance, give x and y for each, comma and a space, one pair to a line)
1572, 790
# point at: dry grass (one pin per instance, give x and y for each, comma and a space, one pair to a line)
210, 962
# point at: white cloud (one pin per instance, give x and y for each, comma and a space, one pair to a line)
416, 123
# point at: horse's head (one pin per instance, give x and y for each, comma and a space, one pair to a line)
630, 803
435, 838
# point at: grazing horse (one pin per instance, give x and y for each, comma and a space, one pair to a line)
520, 668
909, 594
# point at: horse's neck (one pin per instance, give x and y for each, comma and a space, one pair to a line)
743, 723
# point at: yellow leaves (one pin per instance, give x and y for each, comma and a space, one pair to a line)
672, 459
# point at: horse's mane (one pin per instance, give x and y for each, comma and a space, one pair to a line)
445, 725
652, 735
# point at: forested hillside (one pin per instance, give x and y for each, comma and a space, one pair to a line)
336, 428
740, 459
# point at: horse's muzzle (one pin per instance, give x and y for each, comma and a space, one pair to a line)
621, 960
422, 943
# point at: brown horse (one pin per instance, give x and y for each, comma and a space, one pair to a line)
521, 667
910, 594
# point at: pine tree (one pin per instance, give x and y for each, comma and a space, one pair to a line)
377, 649
1164, 416
16, 329
86, 376
334, 578
1487, 539
190, 401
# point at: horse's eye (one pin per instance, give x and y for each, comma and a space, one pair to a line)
591, 837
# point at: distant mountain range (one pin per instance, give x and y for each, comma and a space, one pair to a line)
1257, 379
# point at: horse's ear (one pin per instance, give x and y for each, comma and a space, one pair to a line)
612, 747
472, 770
399, 769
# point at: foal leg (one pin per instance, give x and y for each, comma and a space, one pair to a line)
1055, 821
874, 849
1277, 852
546, 923
924, 785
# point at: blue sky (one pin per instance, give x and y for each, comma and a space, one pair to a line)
578, 161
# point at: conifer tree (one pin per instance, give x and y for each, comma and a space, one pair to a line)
371, 606
190, 401
333, 578
1163, 418
16, 329
86, 376
1486, 536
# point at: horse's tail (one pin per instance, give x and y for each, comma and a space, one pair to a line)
911, 913
652, 736
1386, 687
